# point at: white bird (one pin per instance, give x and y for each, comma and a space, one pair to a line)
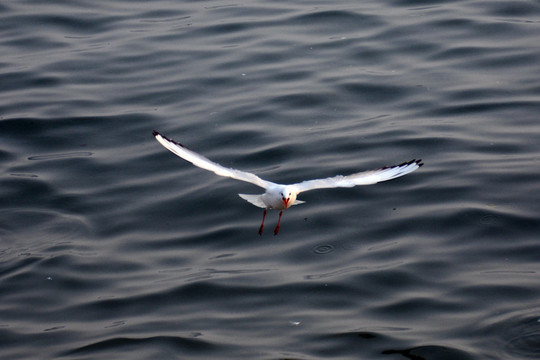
281, 197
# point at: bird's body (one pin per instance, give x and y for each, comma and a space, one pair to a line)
273, 198
279, 196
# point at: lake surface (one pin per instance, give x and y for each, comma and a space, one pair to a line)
111, 247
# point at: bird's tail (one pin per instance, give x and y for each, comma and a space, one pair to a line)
254, 199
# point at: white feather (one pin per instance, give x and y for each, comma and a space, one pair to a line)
281, 197
204, 163
361, 178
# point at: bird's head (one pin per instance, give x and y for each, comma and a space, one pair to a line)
288, 196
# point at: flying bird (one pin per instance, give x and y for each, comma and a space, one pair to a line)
279, 196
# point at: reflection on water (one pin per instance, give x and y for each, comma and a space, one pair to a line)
110, 246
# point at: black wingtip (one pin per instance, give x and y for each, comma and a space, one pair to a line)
155, 133
413, 161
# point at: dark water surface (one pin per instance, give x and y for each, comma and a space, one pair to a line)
113, 248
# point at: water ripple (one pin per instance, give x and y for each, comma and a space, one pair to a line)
73, 154
323, 249
109, 244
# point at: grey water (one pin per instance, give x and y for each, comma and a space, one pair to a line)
111, 247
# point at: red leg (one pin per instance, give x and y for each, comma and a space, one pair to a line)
262, 224
276, 230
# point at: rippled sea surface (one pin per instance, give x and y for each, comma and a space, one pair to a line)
111, 247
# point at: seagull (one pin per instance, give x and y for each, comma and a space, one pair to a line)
279, 196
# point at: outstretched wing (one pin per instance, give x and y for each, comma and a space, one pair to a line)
204, 163
361, 178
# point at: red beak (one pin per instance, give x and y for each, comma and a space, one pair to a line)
286, 202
